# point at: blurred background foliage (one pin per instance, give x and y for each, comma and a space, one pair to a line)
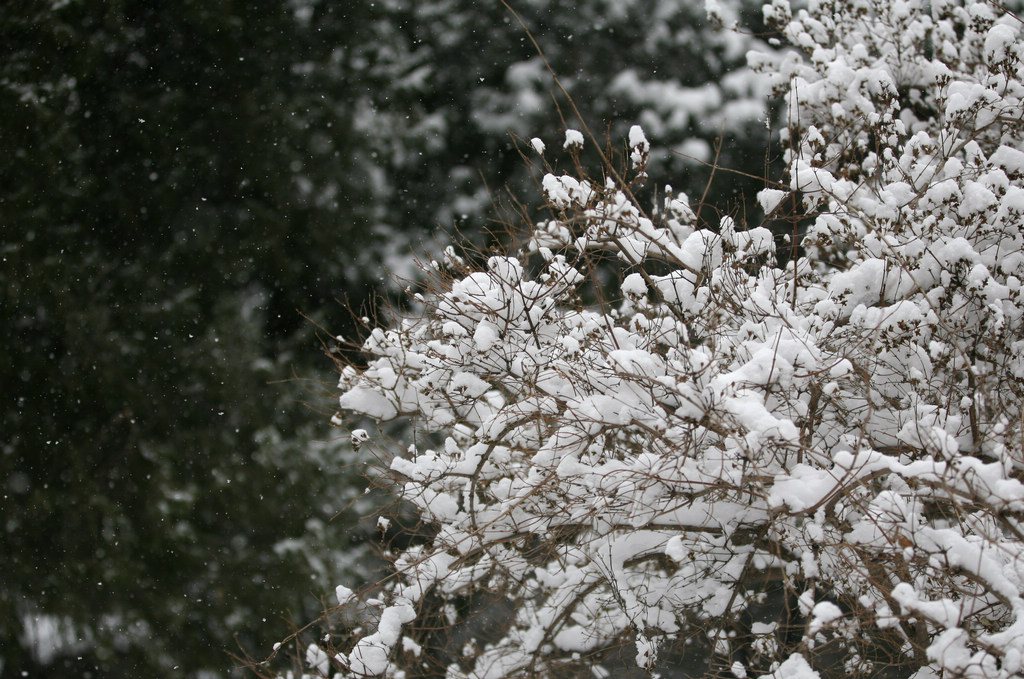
187, 190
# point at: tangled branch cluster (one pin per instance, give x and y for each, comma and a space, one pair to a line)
843, 432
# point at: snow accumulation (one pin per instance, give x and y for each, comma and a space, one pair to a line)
639, 146
642, 424
573, 139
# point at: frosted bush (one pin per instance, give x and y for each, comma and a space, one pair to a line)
643, 463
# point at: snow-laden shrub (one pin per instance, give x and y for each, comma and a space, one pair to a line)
843, 433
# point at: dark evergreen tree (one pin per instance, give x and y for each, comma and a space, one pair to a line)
174, 194
451, 84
